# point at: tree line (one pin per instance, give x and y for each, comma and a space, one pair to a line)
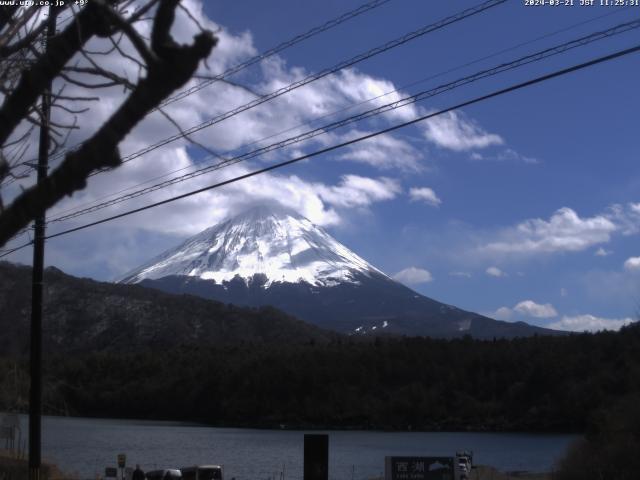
528, 384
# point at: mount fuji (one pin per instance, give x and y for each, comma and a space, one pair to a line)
271, 255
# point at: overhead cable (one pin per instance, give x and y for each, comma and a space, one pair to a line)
316, 76
354, 105
512, 88
420, 96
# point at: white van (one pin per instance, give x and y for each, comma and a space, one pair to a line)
202, 472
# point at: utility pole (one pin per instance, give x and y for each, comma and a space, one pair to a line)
35, 365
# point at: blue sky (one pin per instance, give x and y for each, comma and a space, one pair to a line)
523, 207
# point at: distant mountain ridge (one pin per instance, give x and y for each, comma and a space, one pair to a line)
82, 315
274, 256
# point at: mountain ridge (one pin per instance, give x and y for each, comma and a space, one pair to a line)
274, 256
83, 315
274, 241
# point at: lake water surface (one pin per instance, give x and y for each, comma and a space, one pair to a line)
85, 446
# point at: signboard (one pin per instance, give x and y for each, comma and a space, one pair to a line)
122, 460
419, 468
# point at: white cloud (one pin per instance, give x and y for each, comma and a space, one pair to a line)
495, 272
318, 201
413, 276
632, 264
424, 194
384, 152
360, 88
526, 308
323, 202
590, 323
510, 154
455, 131
626, 217
157, 229
564, 231
357, 191
506, 155
503, 313
530, 308
460, 274
601, 252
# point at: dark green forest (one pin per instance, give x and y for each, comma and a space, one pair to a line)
528, 384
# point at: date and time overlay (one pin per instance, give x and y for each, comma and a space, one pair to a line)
581, 3
526, 3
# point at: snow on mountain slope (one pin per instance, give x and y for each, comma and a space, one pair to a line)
269, 240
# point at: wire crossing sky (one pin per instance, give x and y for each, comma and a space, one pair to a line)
625, 27
503, 91
525, 207
262, 56
320, 75
533, 57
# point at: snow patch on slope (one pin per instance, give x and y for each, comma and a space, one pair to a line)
276, 242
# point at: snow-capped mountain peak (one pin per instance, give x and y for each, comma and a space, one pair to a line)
273, 241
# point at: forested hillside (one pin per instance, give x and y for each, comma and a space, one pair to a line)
533, 384
82, 315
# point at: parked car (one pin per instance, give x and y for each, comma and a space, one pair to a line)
202, 472
164, 474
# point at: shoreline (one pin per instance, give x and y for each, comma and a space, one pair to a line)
310, 428
12, 465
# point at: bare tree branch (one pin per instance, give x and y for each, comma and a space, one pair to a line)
176, 65
141, 11
6, 14
116, 46
101, 72
88, 23
94, 86
70, 110
193, 19
16, 25
189, 137
133, 36
75, 99
7, 50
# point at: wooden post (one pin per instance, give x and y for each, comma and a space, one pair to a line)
35, 364
316, 457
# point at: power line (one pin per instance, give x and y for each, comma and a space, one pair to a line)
357, 104
317, 76
4, 253
273, 51
525, 60
570, 27
358, 58
518, 86
258, 58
